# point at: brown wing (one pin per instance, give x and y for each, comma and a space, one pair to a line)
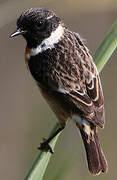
87, 100
91, 102
90, 96
94, 90
86, 93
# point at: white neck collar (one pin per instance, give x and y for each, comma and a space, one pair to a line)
49, 42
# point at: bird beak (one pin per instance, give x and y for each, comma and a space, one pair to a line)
17, 32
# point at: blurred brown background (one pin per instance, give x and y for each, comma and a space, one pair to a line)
25, 117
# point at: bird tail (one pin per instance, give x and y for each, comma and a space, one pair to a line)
95, 156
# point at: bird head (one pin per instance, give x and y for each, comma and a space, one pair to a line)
35, 25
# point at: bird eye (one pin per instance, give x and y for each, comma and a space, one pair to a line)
40, 23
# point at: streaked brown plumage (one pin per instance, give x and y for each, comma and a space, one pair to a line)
68, 79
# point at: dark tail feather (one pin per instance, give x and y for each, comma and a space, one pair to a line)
103, 162
95, 157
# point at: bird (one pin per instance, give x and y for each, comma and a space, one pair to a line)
63, 69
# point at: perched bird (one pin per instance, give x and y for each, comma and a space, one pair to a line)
68, 79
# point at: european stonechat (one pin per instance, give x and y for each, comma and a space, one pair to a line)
63, 69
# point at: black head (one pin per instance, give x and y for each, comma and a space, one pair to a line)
35, 25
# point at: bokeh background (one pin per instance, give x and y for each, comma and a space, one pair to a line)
24, 115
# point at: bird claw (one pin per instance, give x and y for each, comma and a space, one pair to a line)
44, 146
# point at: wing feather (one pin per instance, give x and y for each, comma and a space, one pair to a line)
76, 78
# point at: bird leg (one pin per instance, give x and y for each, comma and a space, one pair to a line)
45, 144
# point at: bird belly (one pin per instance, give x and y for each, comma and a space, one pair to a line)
58, 105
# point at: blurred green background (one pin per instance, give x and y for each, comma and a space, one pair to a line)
24, 115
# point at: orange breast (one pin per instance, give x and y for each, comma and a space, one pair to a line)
27, 54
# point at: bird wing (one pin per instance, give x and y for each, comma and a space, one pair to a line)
90, 102
89, 98
86, 93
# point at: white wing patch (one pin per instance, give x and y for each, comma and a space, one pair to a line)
63, 91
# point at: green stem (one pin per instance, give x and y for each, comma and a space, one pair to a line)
101, 57
40, 164
106, 48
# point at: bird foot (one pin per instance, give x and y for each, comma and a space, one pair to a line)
44, 146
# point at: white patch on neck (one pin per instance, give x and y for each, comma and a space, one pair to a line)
49, 42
